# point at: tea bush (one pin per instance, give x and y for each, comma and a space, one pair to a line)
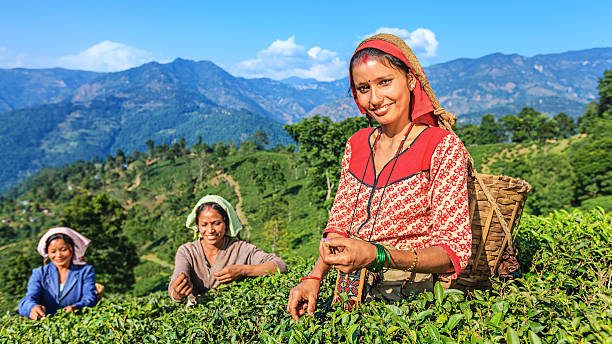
563, 296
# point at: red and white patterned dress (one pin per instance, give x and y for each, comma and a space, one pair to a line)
424, 203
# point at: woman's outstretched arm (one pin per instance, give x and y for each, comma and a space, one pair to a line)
233, 272
303, 298
33, 294
348, 255
180, 284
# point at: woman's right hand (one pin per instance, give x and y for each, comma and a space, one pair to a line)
347, 254
38, 312
181, 287
303, 298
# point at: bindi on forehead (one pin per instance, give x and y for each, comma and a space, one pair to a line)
364, 59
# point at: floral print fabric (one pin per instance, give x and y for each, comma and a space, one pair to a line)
418, 201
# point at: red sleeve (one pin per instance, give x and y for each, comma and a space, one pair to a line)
339, 218
449, 202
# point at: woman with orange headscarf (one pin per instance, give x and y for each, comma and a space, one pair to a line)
401, 209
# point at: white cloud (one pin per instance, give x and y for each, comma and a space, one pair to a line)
106, 56
422, 41
10, 59
283, 59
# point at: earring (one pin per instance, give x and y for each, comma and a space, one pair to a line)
411, 86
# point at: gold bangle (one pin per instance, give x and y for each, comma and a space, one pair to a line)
414, 263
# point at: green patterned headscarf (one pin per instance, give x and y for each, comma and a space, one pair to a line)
234, 223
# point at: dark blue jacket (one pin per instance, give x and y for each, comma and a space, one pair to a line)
43, 289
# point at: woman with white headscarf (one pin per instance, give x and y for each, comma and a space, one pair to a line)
217, 256
68, 282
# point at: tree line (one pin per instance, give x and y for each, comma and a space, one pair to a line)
561, 177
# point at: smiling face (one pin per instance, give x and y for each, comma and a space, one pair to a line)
383, 91
60, 253
211, 227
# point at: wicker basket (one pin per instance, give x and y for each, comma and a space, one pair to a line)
489, 237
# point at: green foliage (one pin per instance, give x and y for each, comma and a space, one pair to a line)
274, 214
591, 121
592, 163
564, 173
603, 202
17, 267
605, 92
104, 125
260, 138
587, 122
269, 174
552, 180
564, 296
321, 145
100, 218
528, 125
570, 251
468, 133
565, 125
489, 131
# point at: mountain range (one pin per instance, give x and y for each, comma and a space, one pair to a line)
55, 116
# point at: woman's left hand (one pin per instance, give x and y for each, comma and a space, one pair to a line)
70, 308
229, 273
347, 255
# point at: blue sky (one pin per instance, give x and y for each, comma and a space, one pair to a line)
281, 39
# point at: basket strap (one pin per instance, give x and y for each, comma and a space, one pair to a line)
483, 240
500, 216
507, 239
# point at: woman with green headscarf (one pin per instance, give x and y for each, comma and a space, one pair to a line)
218, 255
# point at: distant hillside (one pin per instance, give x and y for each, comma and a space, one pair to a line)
502, 84
204, 79
79, 115
56, 134
495, 83
22, 88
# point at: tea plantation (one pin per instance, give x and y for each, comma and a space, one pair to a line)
563, 296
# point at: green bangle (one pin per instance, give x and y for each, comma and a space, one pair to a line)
383, 257
381, 260
387, 259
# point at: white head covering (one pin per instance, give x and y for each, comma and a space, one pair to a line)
80, 243
234, 223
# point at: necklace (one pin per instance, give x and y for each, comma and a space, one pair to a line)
399, 150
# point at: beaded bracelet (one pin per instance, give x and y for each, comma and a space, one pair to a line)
414, 263
311, 277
